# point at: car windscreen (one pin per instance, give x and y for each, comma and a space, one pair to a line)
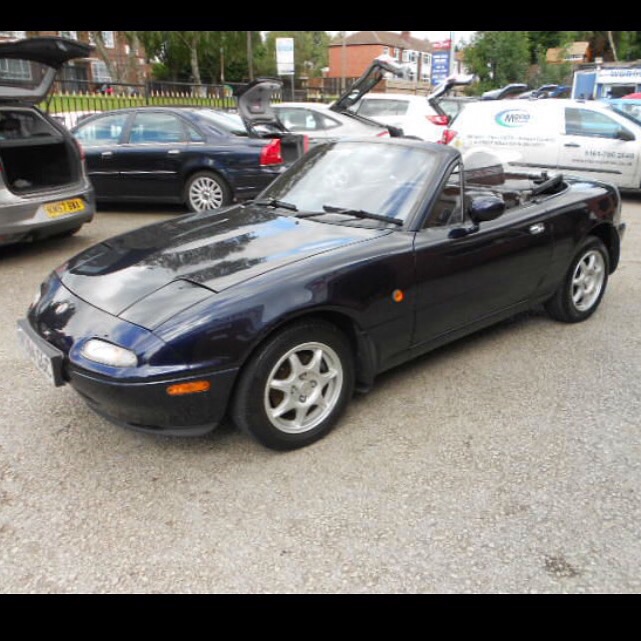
630, 111
383, 107
382, 179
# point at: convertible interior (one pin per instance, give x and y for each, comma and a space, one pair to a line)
514, 188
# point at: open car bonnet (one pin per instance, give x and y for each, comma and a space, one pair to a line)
444, 88
372, 76
28, 67
255, 105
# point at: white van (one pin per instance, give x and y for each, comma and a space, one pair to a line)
581, 138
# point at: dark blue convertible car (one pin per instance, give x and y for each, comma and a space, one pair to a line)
362, 255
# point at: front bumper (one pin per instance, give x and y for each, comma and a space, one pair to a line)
142, 405
146, 406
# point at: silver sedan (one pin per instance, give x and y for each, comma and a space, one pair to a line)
320, 123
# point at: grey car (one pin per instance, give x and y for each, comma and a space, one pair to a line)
44, 189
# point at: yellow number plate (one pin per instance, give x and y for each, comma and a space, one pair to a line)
53, 210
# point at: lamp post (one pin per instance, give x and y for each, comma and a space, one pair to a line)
250, 55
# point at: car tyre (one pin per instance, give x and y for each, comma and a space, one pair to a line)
584, 284
295, 387
205, 191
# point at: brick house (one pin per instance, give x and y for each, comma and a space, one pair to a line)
124, 63
350, 56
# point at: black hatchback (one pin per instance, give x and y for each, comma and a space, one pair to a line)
201, 157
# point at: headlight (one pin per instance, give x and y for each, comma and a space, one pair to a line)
106, 353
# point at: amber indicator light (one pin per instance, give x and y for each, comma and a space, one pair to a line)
398, 296
188, 388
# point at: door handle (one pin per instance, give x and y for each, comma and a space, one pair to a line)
173, 152
571, 144
106, 154
538, 228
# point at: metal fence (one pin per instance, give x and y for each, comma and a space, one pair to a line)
83, 96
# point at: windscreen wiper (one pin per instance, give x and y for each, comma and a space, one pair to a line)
273, 202
357, 213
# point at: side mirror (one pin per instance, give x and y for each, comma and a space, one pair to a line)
485, 208
624, 134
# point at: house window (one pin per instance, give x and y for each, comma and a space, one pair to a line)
15, 69
386, 51
405, 56
412, 55
99, 71
108, 39
71, 35
426, 58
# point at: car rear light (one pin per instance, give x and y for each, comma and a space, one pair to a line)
305, 143
448, 136
271, 154
442, 121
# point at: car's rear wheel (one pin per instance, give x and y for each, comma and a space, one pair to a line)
293, 390
206, 190
584, 284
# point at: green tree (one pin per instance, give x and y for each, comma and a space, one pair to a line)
202, 56
498, 58
310, 51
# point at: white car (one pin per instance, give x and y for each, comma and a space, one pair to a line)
418, 116
413, 114
588, 139
319, 123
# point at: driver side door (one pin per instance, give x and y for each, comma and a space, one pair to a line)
464, 277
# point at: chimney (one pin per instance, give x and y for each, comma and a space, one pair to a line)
406, 35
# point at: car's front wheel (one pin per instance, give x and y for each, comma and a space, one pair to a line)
584, 284
205, 191
295, 387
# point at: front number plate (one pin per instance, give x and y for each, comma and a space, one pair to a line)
45, 357
53, 210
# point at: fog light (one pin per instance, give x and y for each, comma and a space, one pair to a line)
192, 387
106, 353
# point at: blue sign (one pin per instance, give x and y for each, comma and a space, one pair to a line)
440, 66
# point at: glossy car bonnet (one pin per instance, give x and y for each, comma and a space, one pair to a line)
215, 250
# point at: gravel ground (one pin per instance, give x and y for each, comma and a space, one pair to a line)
508, 462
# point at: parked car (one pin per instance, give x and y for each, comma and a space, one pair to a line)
509, 91
453, 105
361, 256
541, 92
585, 138
197, 156
44, 190
320, 123
417, 116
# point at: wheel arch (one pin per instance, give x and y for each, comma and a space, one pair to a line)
363, 348
607, 234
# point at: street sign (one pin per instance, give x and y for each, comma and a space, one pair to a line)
440, 66
285, 56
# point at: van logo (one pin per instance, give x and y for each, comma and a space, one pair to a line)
513, 118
